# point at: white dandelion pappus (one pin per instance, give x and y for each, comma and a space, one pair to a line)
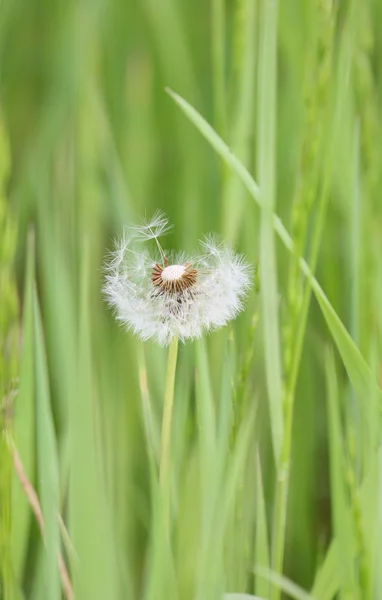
173, 295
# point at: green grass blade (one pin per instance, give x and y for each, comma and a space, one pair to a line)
230, 489
284, 584
358, 371
222, 472
262, 542
341, 517
206, 407
355, 239
217, 143
24, 423
175, 59
151, 427
47, 462
326, 582
209, 476
356, 366
268, 261
241, 131
160, 581
218, 27
328, 578
94, 574
38, 584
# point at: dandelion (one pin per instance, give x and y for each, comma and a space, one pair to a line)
170, 295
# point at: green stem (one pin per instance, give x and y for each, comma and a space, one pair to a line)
281, 498
164, 467
266, 119
218, 64
5, 517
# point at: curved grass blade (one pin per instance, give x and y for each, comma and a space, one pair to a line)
291, 589
356, 366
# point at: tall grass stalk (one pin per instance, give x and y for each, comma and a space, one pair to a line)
242, 88
8, 362
218, 34
266, 123
165, 458
299, 295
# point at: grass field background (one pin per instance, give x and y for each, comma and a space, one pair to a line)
271, 136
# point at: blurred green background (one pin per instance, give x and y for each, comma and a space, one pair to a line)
91, 142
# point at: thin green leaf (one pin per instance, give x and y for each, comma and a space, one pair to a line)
290, 588
151, 427
217, 143
47, 463
357, 368
328, 578
160, 581
341, 516
266, 122
227, 487
209, 472
243, 87
206, 408
95, 572
326, 583
262, 542
355, 238
218, 26
358, 371
24, 423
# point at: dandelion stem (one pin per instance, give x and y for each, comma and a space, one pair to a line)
164, 467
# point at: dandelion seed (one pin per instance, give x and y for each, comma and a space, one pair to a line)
171, 295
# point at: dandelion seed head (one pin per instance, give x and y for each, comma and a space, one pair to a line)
173, 272
170, 295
